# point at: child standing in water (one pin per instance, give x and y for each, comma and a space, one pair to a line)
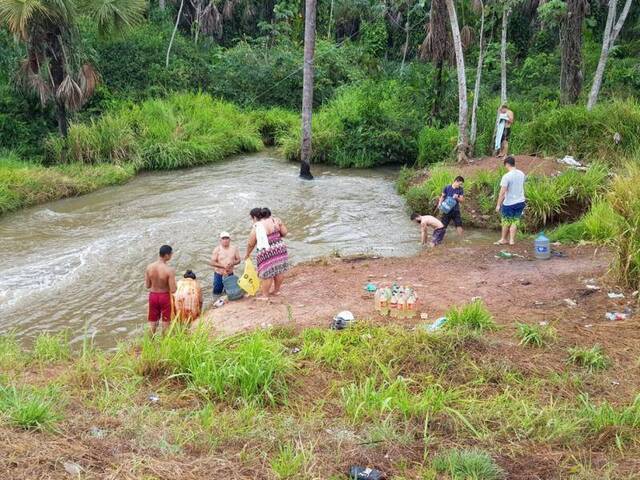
429, 221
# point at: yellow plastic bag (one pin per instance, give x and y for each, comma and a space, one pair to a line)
249, 281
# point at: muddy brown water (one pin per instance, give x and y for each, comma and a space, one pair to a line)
78, 263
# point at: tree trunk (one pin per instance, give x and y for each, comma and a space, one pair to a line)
463, 137
330, 20
61, 117
503, 55
571, 51
406, 43
307, 88
435, 108
476, 89
161, 4
608, 40
173, 35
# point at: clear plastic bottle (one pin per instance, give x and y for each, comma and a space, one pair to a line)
377, 297
393, 306
411, 305
402, 305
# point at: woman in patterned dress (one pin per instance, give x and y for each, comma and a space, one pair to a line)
272, 257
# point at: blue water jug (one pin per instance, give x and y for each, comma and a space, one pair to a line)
542, 247
448, 204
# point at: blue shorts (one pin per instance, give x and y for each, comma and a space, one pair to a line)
511, 213
218, 286
438, 235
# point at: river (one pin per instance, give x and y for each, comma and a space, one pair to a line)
78, 263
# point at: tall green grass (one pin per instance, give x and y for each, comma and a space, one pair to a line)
423, 198
28, 408
51, 348
11, 354
181, 130
473, 315
625, 201
251, 367
23, 184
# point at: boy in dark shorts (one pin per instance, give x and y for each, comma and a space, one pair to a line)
456, 192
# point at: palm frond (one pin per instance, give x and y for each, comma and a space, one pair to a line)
113, 15
466, 36
70, 93
89, 78
18, 14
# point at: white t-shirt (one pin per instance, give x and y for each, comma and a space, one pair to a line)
514, 182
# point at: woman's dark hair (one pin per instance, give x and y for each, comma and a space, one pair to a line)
189, 274
265, 212
256, 213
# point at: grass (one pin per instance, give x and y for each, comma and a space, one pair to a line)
23, 184
535, 335
592, 359
468, 465
423, 198
51, 348
473, 316
358, 393
11, 354
253, 369
31, 409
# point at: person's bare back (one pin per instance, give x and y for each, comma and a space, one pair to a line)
160, 278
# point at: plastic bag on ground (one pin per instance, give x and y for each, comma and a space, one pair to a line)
249, 282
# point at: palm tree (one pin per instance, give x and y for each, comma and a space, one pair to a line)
55, 66
463, 107
307, 88
609, 37
437, 48
571, 50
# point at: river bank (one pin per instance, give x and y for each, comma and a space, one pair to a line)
285, 397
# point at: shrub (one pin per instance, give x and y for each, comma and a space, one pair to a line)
545, 199
468, 465
274, 124
474, 316
592, 359
535, 335
436, 144
625, 201
365, 125
405, 177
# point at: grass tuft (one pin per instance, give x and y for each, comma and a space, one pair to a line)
30, 409
51, 348
473, 316
593, 359
468, 465
535, 335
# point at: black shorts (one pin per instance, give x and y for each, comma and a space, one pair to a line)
506, 134
452, 215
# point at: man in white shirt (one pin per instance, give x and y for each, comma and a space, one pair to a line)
511, 201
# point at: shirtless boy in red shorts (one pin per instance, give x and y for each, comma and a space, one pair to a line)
160, 280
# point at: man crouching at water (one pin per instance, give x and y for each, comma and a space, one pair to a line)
426, 221
160, 280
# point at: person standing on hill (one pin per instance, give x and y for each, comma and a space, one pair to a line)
503, 130
160, 280
452, 196
511, 201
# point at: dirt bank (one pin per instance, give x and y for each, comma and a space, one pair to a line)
519, 289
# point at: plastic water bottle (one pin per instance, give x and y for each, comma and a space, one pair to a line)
411, 305
542, 247
393, 306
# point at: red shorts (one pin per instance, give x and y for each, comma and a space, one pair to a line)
159, 306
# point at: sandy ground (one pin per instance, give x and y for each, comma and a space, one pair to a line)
519, 288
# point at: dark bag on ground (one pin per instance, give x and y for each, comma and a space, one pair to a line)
231, 288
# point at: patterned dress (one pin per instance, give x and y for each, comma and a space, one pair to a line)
274, 260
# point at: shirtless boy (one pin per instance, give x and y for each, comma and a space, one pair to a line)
223, 259
426, 221
160, 280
